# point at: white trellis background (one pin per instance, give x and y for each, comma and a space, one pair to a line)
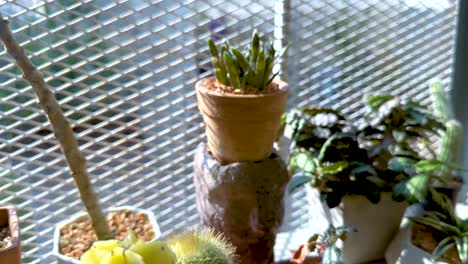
124, 72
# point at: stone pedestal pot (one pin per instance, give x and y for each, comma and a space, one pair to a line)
376, 224
62, 259
11, 254
242, 200
241, 127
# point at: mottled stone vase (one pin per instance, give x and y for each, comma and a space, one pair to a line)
243, 200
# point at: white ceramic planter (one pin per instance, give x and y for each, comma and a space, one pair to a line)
62, 259
376, 224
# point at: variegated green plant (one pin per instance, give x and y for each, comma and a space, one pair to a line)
454, 229
252, 69
325, 244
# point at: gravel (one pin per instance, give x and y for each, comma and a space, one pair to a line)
77, 237
5, 237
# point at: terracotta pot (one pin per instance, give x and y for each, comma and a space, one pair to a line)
8, 217
62, 259
241, 127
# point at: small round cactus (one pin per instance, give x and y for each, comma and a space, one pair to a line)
129, 251
202, 247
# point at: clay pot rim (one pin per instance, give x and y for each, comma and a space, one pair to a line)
283, 89
58, 227
15, 233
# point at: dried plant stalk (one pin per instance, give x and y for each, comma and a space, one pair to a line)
62, 131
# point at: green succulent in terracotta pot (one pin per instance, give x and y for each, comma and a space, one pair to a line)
243, 104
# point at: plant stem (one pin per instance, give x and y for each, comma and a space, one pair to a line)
62, 131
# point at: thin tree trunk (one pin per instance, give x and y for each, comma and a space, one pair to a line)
62, 131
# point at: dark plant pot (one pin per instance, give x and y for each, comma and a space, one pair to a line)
8, 218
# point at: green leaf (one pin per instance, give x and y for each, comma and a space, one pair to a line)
414, 190
304, 161
399, 164
376, 101
255, 47
269, 63
359, 167
425, 166
335, 168
447, 208
313, 238
417, 187
298, 181
442, 248
260, 71
271, 79
462, 247
437, 224
242, 61
331, 255
213, 49
233, 71
325, 146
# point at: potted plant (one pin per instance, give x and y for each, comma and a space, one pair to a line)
434, 185
325, 244
440, 236
450, 143
97, 224
352, 169
200, 246
10, 244
66, 237
243, 104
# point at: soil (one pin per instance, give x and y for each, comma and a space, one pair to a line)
77, 237
427, 238
5, 237
213, 85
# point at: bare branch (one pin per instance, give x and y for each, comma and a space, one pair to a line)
62, 131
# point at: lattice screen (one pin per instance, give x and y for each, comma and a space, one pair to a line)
124, 72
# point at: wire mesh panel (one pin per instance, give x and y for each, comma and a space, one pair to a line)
347, 48
124, 72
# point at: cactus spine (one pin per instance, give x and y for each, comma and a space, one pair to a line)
253, 70
451, 140
202, 247
440, 102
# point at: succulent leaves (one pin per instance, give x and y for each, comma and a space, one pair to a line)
254, 69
